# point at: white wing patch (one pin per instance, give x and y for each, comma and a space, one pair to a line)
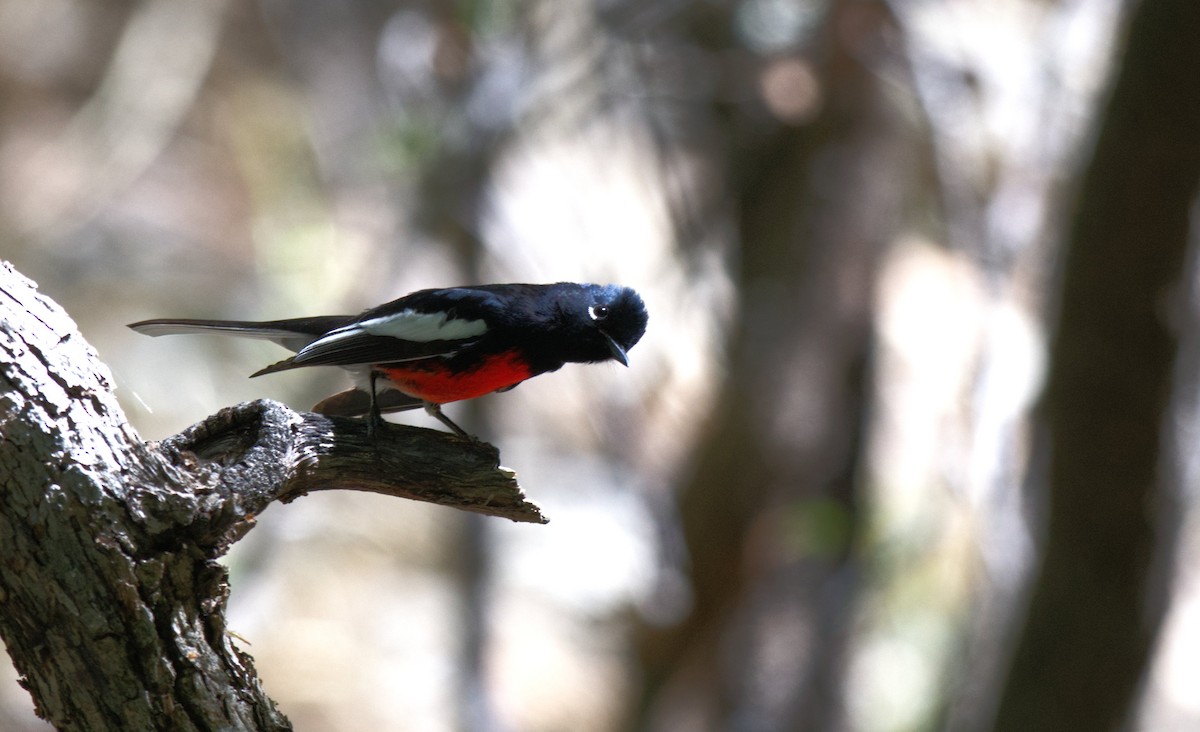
410, 325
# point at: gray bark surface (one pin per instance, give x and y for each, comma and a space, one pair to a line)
111, 597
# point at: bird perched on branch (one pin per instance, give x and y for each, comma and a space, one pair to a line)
432, 347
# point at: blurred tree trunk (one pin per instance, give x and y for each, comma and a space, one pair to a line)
771, 511
1110, 537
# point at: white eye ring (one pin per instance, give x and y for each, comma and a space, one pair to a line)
598, 312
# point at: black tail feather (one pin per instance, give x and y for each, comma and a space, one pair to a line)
293, 333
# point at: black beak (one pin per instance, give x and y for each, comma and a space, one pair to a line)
615, 349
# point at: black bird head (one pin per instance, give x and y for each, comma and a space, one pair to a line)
592, 323
608, 320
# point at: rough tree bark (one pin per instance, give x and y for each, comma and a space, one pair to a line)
1097, 605
111, 598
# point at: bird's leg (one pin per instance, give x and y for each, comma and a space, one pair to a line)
374, 418
435, 410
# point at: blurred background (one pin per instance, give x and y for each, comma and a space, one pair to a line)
816, 500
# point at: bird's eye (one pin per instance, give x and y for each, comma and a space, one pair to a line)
598, 312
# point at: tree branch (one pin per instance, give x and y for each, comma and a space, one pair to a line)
260, 452
112, 601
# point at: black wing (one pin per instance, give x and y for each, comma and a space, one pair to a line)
425, 324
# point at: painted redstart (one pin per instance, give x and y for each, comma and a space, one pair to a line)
437, 346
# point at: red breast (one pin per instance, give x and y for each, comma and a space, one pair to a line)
432, 381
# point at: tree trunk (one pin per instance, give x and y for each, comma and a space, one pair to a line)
770, 512
112, 599
1097, 604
